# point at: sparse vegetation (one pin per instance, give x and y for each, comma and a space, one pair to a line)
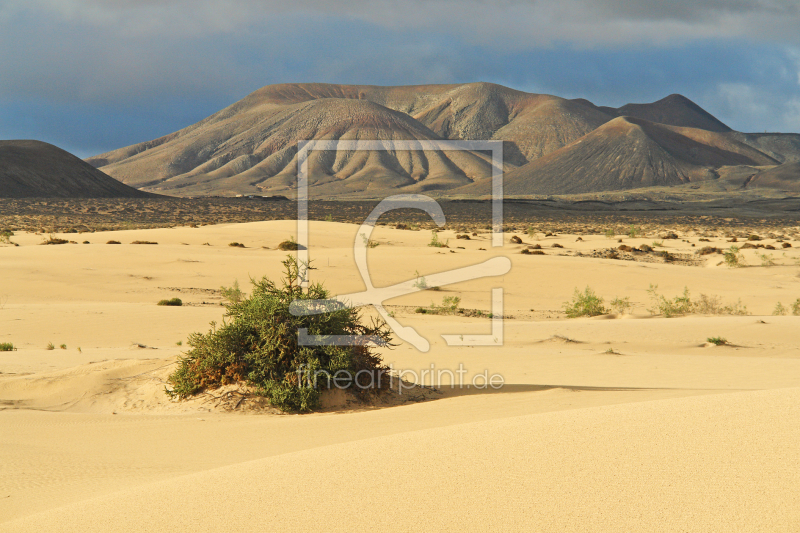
780, 310
712, 305
610, 234
52, 239
585, 303
767, 260
50, 346
113, 242
369, 243
733, 257
236, 245
657, 244
5, 237
6, 347
258, 344
796, 307
63, 346
718, 341
420, 282
172, 302
289, 245
620, 305
233, 294
144, 242
677, 306
435, 242
634, 232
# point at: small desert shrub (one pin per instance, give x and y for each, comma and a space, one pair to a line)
610, 234
50, 346
585, 303
6, 347
780, 310
719, 341
646, 248
5, 236
796, 307
634, 232
531, 232
54, 240
767, 260
258, 344
144, 242
733, 257
63, 346
656, 244
113, 242
420, 283
328, 218
369, 243
236, 245
179, 343
450, 304
435, 242
620, 305
233, 294
289, 245
712, 305
174, 302
677, 306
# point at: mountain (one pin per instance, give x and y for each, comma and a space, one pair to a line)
37, 169
628, 153
551, 145
250, 147
785, 177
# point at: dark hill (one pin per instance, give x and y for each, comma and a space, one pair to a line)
30, 169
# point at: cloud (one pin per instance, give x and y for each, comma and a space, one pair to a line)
135, 70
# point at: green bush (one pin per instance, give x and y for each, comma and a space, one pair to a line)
620, 305
733, 257
176, 302
435, 242
796, 307
232, 294
719, 341
780, 310
677, 306
258, 343
6, 347
585, 303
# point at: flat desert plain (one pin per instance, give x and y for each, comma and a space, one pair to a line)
621, 422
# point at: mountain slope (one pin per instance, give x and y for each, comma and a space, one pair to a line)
36, 169
675, 110
252, 149
628, 153
784, 177
550, 145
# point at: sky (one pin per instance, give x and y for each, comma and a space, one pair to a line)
94, 75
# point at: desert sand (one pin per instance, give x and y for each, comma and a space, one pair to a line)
614, 423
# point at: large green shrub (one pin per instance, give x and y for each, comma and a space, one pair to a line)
258, 343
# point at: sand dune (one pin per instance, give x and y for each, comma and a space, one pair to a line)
605, 424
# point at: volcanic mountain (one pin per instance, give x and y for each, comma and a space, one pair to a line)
37, 169
629, 153
551, 145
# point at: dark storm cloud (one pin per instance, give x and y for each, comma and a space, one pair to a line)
97, 74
